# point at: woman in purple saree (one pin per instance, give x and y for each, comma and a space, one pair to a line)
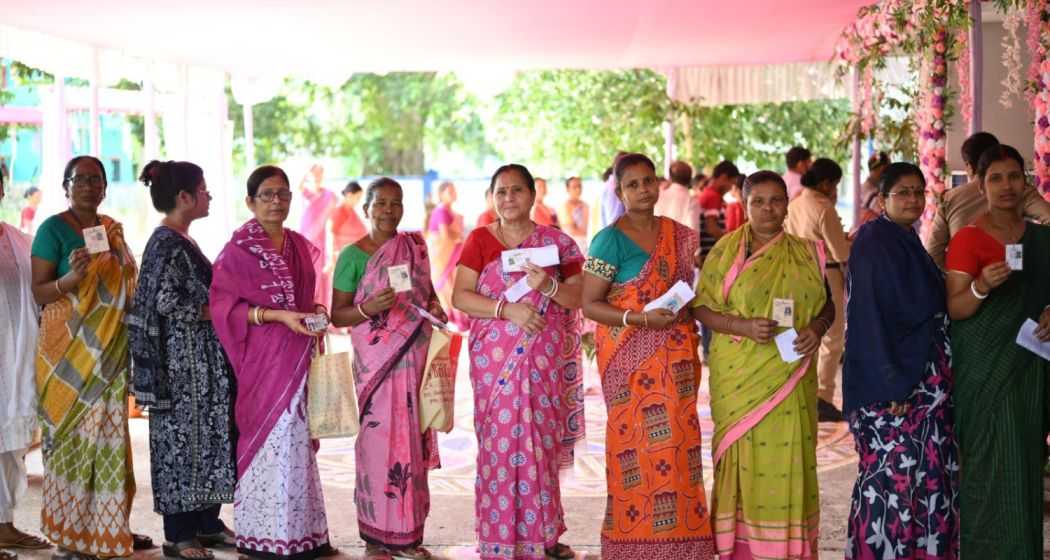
525, 354
391, 339
262, 288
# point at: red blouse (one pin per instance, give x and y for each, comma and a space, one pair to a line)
971, 250
482, 247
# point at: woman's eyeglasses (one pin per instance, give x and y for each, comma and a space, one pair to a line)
909, 193
85, 180
268, 196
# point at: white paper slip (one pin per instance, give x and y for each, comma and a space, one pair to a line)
1015, 256
430, 317
784, 312
1026, 339
96, 240
515, 259
674, 299
399, 278
517, 290
786, 345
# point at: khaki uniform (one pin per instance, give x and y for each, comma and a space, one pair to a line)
960, 206
813, 216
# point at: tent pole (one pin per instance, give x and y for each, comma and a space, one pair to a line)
151, 142
669, 129
249, 136
976, 66
855, 151
94, 126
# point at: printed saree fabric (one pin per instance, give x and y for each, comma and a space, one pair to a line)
528, 412
82, 379
657, 508
765, 490
390, 352
1001, 405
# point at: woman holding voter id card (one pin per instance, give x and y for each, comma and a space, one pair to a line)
897, 385
382, 287
763, 292
521, 284
264, 313
84, 276
647, 358
998, 283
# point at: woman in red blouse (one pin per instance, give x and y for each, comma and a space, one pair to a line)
1000, 387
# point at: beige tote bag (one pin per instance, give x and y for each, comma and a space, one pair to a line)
332, 399
437, 392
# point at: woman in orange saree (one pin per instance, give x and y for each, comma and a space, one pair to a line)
650, 373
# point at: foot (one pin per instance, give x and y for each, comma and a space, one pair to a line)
8, 555
10, 537
827, 412
414, 553
187, 550
376, 552
560, 552
141, 542
224, 538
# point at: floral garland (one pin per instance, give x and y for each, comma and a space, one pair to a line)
962, 73
1039, 87
1012, 84
931, 118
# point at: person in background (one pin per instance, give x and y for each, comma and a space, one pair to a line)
657, 506
798, 160
677, 200
960, 206
180, 371
489, 216
82, 372
390, 339
346, 225
870, 188
711, 223
528, 397
699, 182
33, 196
765, 498
611, 207
445, 242
735, 213
812, 216
319, 204
19, 319
541, 213
1000, 387
898, 373
575, 214
263, 286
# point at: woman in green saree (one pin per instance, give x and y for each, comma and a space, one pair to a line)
766, 503
1000, 388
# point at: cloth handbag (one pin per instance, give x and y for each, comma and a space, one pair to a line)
332, 398
437, 391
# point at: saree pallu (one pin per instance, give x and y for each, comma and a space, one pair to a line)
390, 351
82, 380
528, 413
765, 491
278, 503
656, 508
1001, 414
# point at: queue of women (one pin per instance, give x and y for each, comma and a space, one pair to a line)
948, 413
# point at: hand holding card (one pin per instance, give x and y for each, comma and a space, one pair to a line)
1015, 256
400, 280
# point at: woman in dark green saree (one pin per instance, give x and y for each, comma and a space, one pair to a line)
1000, 388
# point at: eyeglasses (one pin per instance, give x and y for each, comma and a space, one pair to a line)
909, 193
268, 196
85, 180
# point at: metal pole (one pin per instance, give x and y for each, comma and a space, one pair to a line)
976, 66
249, 136
94, 126
669, 129
855, 151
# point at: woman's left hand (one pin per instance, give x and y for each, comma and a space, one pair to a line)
807, 342
536, 277
435, 309
1043, 331
116, 229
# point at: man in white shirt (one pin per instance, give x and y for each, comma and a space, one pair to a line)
798, 160
677, 200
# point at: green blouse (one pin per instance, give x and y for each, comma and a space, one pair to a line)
614, 257
55, 239
350, 268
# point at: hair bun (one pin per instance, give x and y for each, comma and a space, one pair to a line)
150, 173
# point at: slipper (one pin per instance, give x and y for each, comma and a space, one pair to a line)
27, 542
560, 552
224, 538
327, 550
376, 552
8, 555
178, 550
141, 542
415, 553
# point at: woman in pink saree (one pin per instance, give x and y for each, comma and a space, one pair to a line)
390, 338
445, 237
320, 203
262, 288
525, 354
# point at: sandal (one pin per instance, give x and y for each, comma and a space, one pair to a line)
414, 553
64, 554
224, 538
8, 555
27, 542
560, 552
141, 542
376, 552
178, 550
327, 550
